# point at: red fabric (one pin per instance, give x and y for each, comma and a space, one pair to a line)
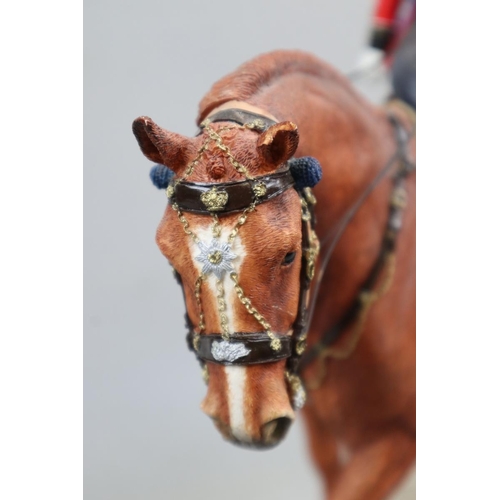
385, 12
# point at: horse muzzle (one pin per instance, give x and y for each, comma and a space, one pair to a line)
249, 405
271, 433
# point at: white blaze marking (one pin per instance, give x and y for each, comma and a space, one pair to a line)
235, 375
204, 233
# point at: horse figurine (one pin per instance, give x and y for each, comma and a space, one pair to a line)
265, 261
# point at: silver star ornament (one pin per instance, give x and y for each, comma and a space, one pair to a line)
216, 258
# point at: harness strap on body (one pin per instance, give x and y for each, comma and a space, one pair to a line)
367, 293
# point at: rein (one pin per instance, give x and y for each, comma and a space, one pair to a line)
367, 292
214, 199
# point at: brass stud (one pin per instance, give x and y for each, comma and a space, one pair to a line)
196, 342
215, 257
257, 124
276, 344
259, 189
214, 200
300, 347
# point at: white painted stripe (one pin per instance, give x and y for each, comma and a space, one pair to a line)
236, 379
235, 375
204, 233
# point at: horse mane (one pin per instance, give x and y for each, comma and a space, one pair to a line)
248, 79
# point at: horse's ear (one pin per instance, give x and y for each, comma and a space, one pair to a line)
278, 143
159, 145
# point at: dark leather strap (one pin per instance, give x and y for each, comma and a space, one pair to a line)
240, 349
301, 321
242, 117
388, 245
228, 197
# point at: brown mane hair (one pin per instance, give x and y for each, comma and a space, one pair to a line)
258, 73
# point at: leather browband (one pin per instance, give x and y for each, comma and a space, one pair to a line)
228, 197
240, 349
242, 117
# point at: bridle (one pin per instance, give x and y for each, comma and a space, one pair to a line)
214, 199
218, 199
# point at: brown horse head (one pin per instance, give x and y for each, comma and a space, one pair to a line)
240, 270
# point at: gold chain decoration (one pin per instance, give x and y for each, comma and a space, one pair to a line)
216, 233
297, 389
216, 227
214, 136
199, 280
185, 223
222, 309
241, 220
197, 294
311, 254
275, 342
201, 323
190, 167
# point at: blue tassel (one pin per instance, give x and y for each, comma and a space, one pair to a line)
161, 176
306, 171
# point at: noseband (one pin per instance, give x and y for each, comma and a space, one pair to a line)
214, 199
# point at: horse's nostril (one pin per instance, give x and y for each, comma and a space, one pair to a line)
275, 430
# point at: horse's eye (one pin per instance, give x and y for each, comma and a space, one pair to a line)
289, 258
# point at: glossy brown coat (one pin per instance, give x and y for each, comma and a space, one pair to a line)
361, 420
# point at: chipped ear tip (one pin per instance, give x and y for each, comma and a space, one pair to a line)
142, 120
288, 126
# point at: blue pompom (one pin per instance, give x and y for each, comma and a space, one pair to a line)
306, 171
161, 176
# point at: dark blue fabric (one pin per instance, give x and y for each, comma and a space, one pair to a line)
404, 78
160, 176
306, 171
